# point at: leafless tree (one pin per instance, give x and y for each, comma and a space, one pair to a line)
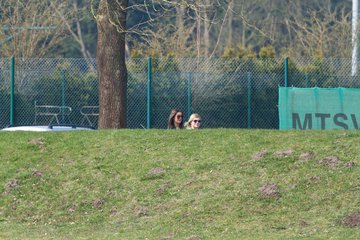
29, 28
72, 21
111, 21
325, 32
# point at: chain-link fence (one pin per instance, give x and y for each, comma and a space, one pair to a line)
325, 73
4, 91
53, 91
229, 93
226, 93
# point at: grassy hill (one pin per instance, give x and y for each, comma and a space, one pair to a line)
162, 184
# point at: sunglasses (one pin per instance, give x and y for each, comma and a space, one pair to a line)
179, 116
197, 121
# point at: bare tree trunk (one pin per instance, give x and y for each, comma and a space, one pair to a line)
206, 29
198, 36
78, 36
243, 30
81, 42
180, 12
110, 59
230, 22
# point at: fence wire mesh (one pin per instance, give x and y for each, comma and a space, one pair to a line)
137, 93
325, 73
4, 92
53, 90
229, 93
226, 93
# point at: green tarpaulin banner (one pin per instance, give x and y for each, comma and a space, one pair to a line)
319, 108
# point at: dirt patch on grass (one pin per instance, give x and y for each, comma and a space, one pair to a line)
349, 164
283, 153
304, 223
72, 209
330, 161
306, 156
113, 212
141, 211
259, 155
352, 220
156, 171
39, 142
97, 203
160, 190
315, 179
37, 173
163, 188
194, 237
169, 236
13, 183
269, 190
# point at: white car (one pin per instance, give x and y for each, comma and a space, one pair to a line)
49, 128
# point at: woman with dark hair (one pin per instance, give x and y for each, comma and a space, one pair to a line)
175, 120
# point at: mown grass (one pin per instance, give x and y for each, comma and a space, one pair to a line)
97, 185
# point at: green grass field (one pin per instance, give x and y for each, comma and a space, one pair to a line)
162, 184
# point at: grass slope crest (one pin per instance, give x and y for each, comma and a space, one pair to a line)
208, 184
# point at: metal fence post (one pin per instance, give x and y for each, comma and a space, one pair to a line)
249, 100
63, 86
307, 80
286, 66
148, 123
189, 96
12, 87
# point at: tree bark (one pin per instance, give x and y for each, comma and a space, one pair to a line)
180, 12
110, 60
230, 25
206, 29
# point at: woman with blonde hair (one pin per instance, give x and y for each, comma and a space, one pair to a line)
194, 121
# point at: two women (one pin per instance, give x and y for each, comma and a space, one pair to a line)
176, 120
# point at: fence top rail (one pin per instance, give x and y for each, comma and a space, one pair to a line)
52, 110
